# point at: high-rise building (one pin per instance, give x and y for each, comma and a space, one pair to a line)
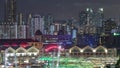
98, 20
93, 17
21, 27
8, 30
48, 22
35, 22
13, 30
90, 26
10, 11
109, 25
84, 15
98, 17
29, 28
10, 25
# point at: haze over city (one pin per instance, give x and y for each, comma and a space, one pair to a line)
59, 34
64, 9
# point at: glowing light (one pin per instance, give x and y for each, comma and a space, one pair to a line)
50, 48
24, 45
53, 46
116, 34
94, 50
101, 9
14, 44
81, 50
6, 45
69, 62
106, 51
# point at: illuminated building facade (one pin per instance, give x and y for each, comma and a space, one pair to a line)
8, 27
90, 27
59, 25
96, 18
8, 30
95, 57
35, 23
91, 40
12, 30
32, 52
48, 27
109, 25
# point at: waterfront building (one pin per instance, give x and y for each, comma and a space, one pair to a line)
32, 56
40, 50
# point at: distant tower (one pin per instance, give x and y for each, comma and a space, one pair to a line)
36, 23
10, 11
48, 20
89, 16
88, 13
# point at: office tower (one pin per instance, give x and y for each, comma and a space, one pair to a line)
84, 15
98, 19
74, 33
16, 30
59, 25
10, 11
8, 30
48, 22
52, 29
95, 17
109, 25
22, 27
9, 25
28, 27
90, 21
89, 16
36, 22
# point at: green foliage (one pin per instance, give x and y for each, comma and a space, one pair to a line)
118, 63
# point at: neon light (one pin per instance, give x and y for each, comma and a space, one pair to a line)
50, 48
6, 45
53, 46
24, 44
68, 62
116, 34
46, 58
14, 44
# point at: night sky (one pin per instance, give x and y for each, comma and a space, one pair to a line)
64, 9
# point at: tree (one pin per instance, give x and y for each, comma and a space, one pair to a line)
118, 63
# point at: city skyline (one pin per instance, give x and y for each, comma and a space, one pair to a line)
59, 33
64, 9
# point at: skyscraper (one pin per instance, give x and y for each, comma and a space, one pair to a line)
10, 11
48, 22
94, 17
35, 22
